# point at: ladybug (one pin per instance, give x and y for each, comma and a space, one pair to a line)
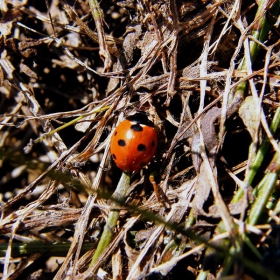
134, 142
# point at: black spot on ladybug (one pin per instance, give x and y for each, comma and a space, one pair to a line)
121, 143
115, 133
136, 127
153, 143
141, 148
114, 156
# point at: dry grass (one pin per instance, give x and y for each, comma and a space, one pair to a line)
206, 72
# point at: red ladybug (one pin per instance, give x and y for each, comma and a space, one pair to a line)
134, 143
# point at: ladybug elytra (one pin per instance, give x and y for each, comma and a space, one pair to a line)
134, 143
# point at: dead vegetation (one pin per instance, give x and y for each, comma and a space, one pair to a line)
206, 72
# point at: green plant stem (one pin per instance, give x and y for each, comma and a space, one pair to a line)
263, 148
258, 160
118, 199
264, 190
48, 134
264, 25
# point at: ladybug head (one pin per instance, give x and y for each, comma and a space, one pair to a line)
141, 118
